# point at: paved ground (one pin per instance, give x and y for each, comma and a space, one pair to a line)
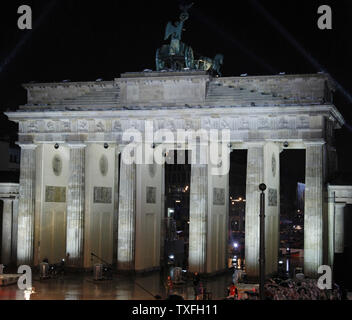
82, 287
122, 287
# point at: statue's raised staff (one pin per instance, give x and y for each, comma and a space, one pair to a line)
176, 55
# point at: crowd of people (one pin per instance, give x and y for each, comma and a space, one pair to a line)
307, 289
275, 289
285, 289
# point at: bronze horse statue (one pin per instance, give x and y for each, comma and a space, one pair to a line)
178, 56
208, 64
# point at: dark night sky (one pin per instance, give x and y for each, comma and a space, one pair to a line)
86, 40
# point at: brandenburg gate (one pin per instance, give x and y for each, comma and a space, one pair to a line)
78, 196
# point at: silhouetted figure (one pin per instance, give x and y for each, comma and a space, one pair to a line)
196, 281
200, 292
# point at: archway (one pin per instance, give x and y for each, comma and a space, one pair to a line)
237, 208
176, 211
292, 190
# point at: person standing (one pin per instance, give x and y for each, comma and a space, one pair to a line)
169, 286
196, 281
200, 292
232, 292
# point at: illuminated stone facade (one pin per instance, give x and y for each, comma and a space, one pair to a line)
81, 124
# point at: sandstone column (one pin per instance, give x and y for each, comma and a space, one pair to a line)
218, 209
255, 176
25, 240
313, 210
75, 205
116, 203
162, 218
6, 231
198, 211
331, 227
14, 231
339, 227
272, 206
127, 217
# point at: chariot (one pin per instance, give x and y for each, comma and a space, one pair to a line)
174, 57
178, 56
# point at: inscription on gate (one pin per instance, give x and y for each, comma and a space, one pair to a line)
219, 196
55, 194
272, 197
102, 195
151, 194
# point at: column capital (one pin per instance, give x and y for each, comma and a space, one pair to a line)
254, 144
27, 146
313, 143
340, 204
237, 144
78, 145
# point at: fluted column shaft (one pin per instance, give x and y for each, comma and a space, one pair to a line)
198, 212
75, 206
25, 236
116, 203
255, 176
339, 227
6, 231
313, 210
127, 217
